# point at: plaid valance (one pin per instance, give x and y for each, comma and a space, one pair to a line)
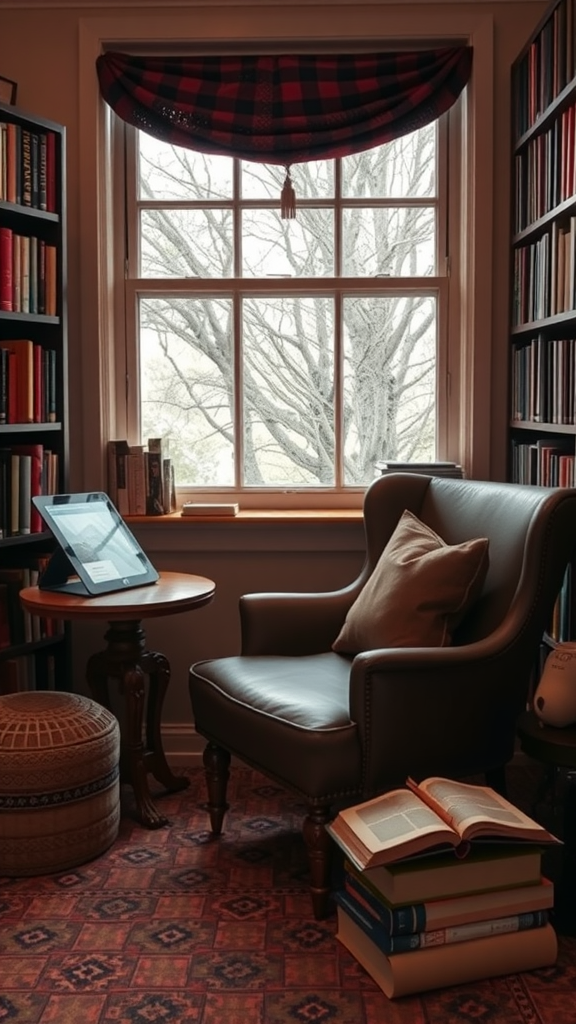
284, 109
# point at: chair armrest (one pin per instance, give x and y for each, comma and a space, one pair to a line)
443, 711
293, 624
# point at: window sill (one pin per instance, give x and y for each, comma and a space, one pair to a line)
260, 516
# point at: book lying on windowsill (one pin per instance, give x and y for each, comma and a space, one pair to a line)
436, 813
196, 508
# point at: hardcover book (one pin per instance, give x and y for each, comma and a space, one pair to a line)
422, 969
435, 813
448, 935
409, 918
418, 879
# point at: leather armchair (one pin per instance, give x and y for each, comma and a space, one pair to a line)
340, 729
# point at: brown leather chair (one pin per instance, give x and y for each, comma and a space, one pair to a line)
340, 729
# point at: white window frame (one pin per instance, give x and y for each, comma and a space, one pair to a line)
126, 211
469, 324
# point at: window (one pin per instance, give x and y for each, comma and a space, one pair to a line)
287, 356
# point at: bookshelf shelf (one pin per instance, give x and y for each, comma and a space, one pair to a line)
33, 385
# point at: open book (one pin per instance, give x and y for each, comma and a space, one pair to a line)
434, 813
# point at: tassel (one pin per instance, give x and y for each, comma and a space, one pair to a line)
287, 198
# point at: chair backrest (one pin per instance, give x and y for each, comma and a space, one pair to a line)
532, 534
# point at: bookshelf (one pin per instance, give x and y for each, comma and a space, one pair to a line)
543, 293
34, 653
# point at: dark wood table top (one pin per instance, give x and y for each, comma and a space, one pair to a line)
173, 592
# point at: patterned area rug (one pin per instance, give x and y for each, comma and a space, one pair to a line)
173, 927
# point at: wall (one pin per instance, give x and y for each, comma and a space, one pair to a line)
46, 48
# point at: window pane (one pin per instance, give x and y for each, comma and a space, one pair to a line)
172, 173
389, 242
272, 247
187, 384
389, 382
288, 391
186, 243
405, 168
312, 180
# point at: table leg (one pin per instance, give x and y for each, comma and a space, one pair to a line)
127, 660
157, 669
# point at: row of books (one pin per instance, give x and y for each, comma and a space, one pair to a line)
27, 382
546, 462
545, 275
22, 673
543, 380
547, 67
17, 625
28, 167
545, 171
418, 917
26, 470
27, 274
141, 478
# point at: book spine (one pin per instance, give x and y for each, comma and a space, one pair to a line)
390, 944
42, 179
16, 273
405, 920
26, 168
6, 257
38, 356
24, 493
51, 172
3, 385
380, 936
35, 161
137, 480
15, 495
155, 488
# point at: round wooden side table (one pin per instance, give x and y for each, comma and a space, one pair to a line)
556, 748
142, 675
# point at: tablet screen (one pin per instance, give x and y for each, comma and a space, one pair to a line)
97, 541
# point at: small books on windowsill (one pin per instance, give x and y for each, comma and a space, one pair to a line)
196, 508
434, 814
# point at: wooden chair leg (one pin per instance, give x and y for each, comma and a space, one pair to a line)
217, 772
319, 847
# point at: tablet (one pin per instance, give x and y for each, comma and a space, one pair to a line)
96, 553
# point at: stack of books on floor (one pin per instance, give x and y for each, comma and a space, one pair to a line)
443, 885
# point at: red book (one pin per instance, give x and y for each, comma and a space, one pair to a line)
36, 451
6, 257
22, 378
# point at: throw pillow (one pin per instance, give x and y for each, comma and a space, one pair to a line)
418, 592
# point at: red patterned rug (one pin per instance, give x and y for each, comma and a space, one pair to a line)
173, 927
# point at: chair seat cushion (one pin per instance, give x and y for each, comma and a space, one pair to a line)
291, 715
419, 591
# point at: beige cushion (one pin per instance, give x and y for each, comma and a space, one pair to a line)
417, 594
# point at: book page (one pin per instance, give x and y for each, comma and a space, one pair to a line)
471, 809
392, 819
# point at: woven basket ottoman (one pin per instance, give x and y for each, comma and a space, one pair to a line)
59, 781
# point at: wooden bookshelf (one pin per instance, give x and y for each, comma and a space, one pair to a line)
33, 385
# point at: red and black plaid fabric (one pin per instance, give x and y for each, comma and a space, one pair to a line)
283, 109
